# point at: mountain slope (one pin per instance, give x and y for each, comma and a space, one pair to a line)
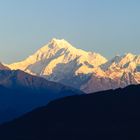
21, 92
60, 62
112, 114
17, 79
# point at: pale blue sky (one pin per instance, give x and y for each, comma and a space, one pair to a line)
108, 27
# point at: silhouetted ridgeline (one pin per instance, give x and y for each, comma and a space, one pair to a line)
108, 115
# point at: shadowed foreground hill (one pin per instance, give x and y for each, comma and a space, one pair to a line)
113, 115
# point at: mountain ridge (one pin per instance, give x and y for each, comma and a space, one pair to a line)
61, 62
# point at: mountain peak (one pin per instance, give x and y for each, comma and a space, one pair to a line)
58, 40
129, 55
60, 43
59, 61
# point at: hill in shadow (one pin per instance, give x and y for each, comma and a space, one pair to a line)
108, 115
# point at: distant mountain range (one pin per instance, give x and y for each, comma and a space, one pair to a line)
60, 62
108, 115
21, 92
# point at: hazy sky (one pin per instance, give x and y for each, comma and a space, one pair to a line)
108, 27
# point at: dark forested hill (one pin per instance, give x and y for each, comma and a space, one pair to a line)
108, 115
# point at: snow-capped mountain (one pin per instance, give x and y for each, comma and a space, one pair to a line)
59, 61
120, 71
